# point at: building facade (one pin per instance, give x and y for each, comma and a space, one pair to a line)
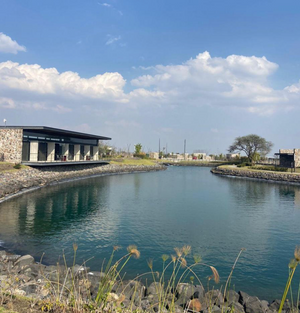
289, 158
25, 144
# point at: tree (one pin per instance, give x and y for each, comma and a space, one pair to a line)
251, 145
138, 148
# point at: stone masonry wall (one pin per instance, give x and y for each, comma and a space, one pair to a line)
11, 141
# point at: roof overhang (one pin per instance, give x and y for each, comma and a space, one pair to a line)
57, 132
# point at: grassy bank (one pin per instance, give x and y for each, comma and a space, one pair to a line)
9, 167
258, 169
122, 161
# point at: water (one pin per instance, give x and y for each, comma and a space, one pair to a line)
158, 211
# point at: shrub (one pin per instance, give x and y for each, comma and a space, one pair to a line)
243, 164
141, 155
270, 168
17, 166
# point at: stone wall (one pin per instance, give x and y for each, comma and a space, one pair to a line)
11, 141
26, 179
293, 178
285, 160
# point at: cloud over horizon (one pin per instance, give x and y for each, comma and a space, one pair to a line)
237, 82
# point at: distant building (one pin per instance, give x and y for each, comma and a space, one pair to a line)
289, 158
231, 156
34, 144
154, 155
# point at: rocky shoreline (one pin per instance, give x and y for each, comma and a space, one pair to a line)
289, 178
22, 276
12, 183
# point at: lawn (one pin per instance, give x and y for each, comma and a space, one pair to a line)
5, 166
122, 161
246, 168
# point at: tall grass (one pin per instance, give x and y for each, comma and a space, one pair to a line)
70, 288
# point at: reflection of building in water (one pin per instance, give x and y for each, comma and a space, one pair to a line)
297, 198
49, 211
9, 217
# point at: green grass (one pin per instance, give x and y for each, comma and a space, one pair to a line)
9, 167
247, 168
133, 162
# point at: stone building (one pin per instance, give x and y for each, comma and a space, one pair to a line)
289, 158
35, 144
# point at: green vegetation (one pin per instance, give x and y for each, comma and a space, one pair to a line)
5, 166
164, 286
252, 145
133, 161
269, 168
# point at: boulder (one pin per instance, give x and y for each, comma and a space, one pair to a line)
154, 288
24, 261
184, 293
231, 297
236, 307
214, 297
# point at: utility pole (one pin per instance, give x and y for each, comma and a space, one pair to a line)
184, 147
166, 148
159, 148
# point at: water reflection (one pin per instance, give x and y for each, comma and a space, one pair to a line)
52, 209
217, 216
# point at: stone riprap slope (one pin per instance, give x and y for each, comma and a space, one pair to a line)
293, 178
14, 182
22, 276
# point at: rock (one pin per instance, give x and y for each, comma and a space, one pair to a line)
244, 297
79, 269
184, 293
253, 305
133, 290
216, 309
154, 288
199, 293
24, 260
145, 304
29, 289
214, 297
11, 257
265, 304
236, 307
232, 297
19, 292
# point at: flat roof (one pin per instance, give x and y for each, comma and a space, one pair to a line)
57, 132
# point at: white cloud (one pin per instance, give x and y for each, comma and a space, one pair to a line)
236, 82
105, 4
112, 39
35, 79
7, 45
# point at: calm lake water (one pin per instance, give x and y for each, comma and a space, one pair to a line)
158, 211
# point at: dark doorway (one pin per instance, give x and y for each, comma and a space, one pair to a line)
81, 153
71, 153
26, 151
42, 155
91, 153
58, 152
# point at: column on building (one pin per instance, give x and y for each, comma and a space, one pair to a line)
51, 152
95, 153
76, 152
34, 150
87, 152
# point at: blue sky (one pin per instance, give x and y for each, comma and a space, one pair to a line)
204, 71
